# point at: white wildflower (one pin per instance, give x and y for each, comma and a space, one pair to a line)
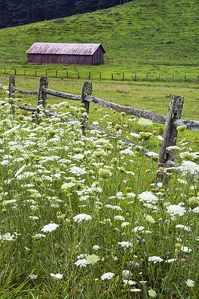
173, 148
129, 282
155, 259
190, 283
186, 249
78, 157
176, 210
131, 195
39, 236
152, 154
145, 122
159, 137
184, 227
107, 276
33, 276
119, 195
119, 217
125, 223
20, 170
170, 261
148, 197
126, 273
33, 217
8, 237
135, 135
77, 170
25, 175
189, 155
138, 229
125, 244
127, 151
113, 207
49, 228
82, 217
96, 247
189, 167
182, 181
150, 219
152, 293
196, 210
56, 276
81, 263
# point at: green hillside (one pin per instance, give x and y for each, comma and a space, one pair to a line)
155, 32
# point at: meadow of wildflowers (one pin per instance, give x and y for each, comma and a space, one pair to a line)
84, 217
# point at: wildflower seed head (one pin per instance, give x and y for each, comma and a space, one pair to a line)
104, 173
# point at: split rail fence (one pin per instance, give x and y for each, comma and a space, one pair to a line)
172, 121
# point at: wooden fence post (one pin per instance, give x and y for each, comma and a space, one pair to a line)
11, 87
86, 91
42, 96
170, 133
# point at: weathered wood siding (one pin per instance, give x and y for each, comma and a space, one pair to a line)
96, 58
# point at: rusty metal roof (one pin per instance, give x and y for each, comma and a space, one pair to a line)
62, 48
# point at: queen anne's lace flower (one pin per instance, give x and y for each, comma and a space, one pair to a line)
77, 170
184, 227
107, 276
56, 276
81, 263
125, 244
186, 249
189, 167
155, 259
190, 283
196, 210
82, 217
49, 228
176, 210
119, 217
148, 197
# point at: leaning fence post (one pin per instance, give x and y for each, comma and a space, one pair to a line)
42, 96
86, 91
170, 133
12, 87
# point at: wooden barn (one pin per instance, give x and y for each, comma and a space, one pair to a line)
62, 53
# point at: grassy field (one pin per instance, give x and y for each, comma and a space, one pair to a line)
157, 39
84, 217
150, 96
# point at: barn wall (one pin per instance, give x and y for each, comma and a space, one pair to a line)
98, 56
61, 59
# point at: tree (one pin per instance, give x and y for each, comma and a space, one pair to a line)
18, 12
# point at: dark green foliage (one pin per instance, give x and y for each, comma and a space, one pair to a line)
18, 12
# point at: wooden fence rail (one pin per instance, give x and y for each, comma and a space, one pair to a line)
77, 74
62, 95
171, 121
128, 110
